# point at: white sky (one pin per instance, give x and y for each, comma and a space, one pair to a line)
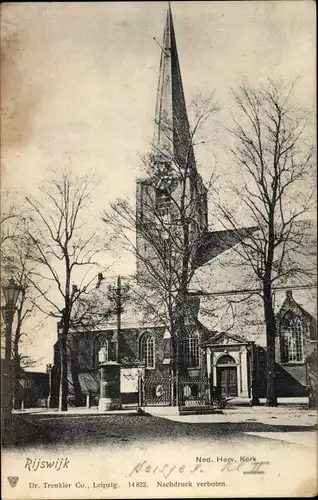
79, 81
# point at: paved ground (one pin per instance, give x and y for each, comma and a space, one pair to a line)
307, 439
79, 426
284, 417
126, 449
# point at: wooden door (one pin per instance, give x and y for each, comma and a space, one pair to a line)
227, 380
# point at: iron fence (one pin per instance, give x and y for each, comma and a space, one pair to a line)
167, 390
157, 391
194, 391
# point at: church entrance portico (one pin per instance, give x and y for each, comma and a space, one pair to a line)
229, 365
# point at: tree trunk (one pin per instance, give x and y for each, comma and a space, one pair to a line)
15, 373
16, 376
16, 358
78, 395
179, 332
66, 315
270, 322
177, 346
174, 365
63, 390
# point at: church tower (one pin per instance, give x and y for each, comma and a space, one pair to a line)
172, 192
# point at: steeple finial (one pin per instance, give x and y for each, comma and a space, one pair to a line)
172, 135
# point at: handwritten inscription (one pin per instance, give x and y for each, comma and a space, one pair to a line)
246, 464
165, 470
246, 467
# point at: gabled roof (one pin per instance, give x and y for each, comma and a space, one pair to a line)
228, 270
290, 304
213, 243
224, 338
244, 313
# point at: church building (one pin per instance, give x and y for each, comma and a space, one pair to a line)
224, 343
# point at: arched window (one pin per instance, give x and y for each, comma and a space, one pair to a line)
291, 338
163, 202
147, 350
192, 351
226, 359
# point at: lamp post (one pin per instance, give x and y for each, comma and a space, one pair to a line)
11, 293
49, 371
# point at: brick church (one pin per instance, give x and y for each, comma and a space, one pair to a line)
224, 337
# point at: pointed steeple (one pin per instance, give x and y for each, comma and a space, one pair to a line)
172, 131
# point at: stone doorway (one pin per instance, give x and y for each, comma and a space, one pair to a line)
227, 376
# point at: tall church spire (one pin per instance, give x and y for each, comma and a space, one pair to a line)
172, 131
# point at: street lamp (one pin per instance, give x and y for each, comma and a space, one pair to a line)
11, 294
49, 371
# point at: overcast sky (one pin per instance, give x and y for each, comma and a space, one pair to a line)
79, 81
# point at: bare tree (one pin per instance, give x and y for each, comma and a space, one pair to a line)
274, 156
165, 231
10, 218
17, 263
65, 250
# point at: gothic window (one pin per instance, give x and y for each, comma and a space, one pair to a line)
291, 337
147, 350
163, 202
192, 351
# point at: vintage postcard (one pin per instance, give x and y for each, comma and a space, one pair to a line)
158, 250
